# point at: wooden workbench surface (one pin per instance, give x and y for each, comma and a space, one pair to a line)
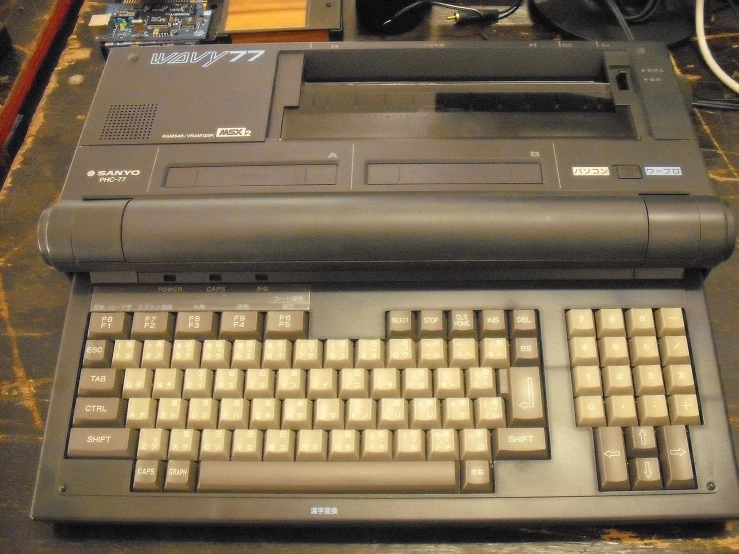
33, 299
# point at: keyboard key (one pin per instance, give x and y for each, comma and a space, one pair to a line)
265, 414
234, 413
101, 443
353, 383
99, 412
492, 324
361, 413
610, 456
215, 444
322, 383
463, 353
648, 380
229, 383
141, 413
489, 413
290, 383
241, 325
260, 383
184, 444
152, 326
392, 413
180, 476
409, 445
461, 324
583, 351
369, 353
153, 444
109, 326
196, 325
277, 353
216, 353
432, 353
480, 381
674, 350
586, 381
675, 459
384, 383
652, 409
338, 353
186, 353
522, 323
197, 383
156, 353
417, 383
432, 325
289, 325
644, 474
639, 322
148, 475
279, 445
617, 380
525, 352
494, 352
684, 409
610, 323
97, 353
343, 446
377, 445
640, 442
613, 351
456, 413
424, 413
167, 383
589, 411
202, 413
524, 399
669, 321
100, 382
644, 351
312, 446
328, 414
580, 323
400, 325
474, 444
442, 444
247, 445
246, 354
448, 383
477, 477
172, 413
679, 379
307, 354
519, 444
126, 353
401, 353
319, 477
621, 411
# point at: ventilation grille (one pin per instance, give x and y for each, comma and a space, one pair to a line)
129, 122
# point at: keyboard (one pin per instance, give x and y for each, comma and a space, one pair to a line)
235, 402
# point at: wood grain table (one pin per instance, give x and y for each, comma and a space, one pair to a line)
33, 298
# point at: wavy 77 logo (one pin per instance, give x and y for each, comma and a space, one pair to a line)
205, 59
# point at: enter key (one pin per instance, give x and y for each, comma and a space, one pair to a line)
524, 398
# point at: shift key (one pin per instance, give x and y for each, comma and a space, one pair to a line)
101, 443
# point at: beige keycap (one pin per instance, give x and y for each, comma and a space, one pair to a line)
474, 444
417, 383
673, 350
448, 382
495, 352
369, 353
167, 383
580, 323
197, 383
152, 326
137, 383
265, 414
643, 351
480, 381
338, 353
617, 380
246, 354
432, 353
652, 410
648, 380
289, 325
432, 324
126, 353
384, 383
424, 413
589, 411
401, 353
184, 444
186, 353
613, 351
156, 353
343, 446
669, 321
361, 413
260, 383
321, 383
153, 444
639, 322
353, 383
290, 383
241, 325
328, 413
610, 323
621, 411
456, 413
307, 353
377, 445
196, 325
215, 354
279, 445
229, 383
684, 409
297, 413
141, 413
215, 444
461, 324
234, 413
409, 445
492, 324
586, 381
442, 444
489, 413
202, 413
247, 445
312, 446
463, 353
392, 413
678, 379
277, 353
583, 351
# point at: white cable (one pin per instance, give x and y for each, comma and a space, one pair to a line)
700, 34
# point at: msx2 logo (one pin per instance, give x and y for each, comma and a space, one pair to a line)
232, 132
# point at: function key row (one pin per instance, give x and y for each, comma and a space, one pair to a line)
461, 324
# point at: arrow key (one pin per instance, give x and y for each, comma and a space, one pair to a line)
675, 458
645, 474
640, 442
610, 457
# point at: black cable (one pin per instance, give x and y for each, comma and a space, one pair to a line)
718, 104
620, 18
463, 14
734, 7
647, 12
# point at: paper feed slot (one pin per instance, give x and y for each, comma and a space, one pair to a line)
299, 232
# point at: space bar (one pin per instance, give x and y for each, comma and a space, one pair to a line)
325, 477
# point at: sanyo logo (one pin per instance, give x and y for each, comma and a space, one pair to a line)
113, 173
205, 59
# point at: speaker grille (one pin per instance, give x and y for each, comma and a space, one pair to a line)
129, 122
